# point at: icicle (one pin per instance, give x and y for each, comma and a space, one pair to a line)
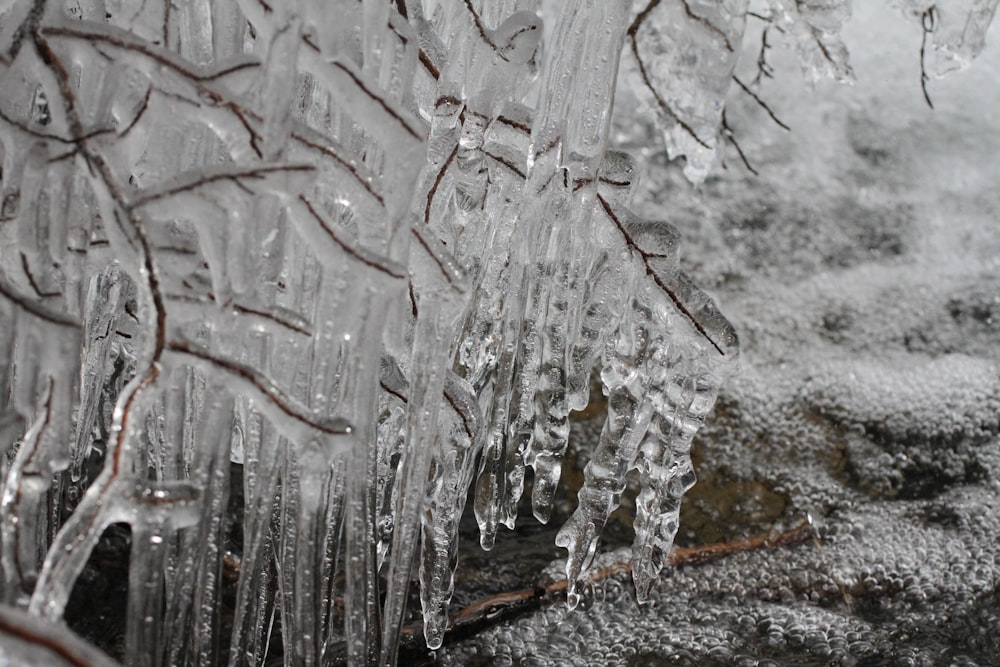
104, 503
957, 30
106, 301
198, 589
279, 83
604, 476
391, 436
453, 468
599, 308
668, 357
255, 592
683, 381
817, 29
443, 293
563, 162
683, 53
490, 484
194, 25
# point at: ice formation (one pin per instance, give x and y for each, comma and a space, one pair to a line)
371, 252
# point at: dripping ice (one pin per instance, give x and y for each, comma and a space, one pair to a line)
370, 252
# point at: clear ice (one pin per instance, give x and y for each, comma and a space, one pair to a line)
371, 252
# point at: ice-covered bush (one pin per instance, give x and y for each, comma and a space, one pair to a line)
369, 252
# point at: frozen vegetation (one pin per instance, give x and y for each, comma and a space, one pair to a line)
285, 284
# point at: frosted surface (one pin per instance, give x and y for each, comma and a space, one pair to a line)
286, 285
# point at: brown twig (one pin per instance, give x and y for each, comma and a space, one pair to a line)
262, 387
708, 24
60, 644
301, 326
47, 136
437, 183
359, 253
70, 541
197, 179
484, 34
644, 257
377, 99
27, 29
761, 17
428, 64
518, 125
822, 48
764, 69
928, 21
756, 98
128, 41
26, 267
138, 115
731, 136
323, 146
502, 606
660, 102
448, 271
506, 163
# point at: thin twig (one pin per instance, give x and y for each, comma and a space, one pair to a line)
448, 269
261, 386
708, 24
484, 34
761, 17
437, 183
26, 267
326, 147
928, 21
361, 85
506, 163
359, 253
756, 98
500, 607
59, 644
728, 133
199, 178
38, 134
644, 258
631, 34
764, 69
128, 41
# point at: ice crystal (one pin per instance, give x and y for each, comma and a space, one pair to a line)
371, 252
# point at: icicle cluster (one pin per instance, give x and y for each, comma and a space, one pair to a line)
372, 253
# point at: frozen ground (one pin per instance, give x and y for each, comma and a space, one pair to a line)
862, 271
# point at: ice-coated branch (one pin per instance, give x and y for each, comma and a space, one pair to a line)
359, 261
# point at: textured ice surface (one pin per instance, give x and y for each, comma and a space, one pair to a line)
286, 284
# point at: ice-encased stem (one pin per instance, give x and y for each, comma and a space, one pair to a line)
105, 502
457, 446
444, 294
629, 414
582, 72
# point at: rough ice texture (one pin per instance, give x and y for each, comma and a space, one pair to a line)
370, 253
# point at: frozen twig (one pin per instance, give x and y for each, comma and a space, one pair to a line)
928, 22
503, 606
